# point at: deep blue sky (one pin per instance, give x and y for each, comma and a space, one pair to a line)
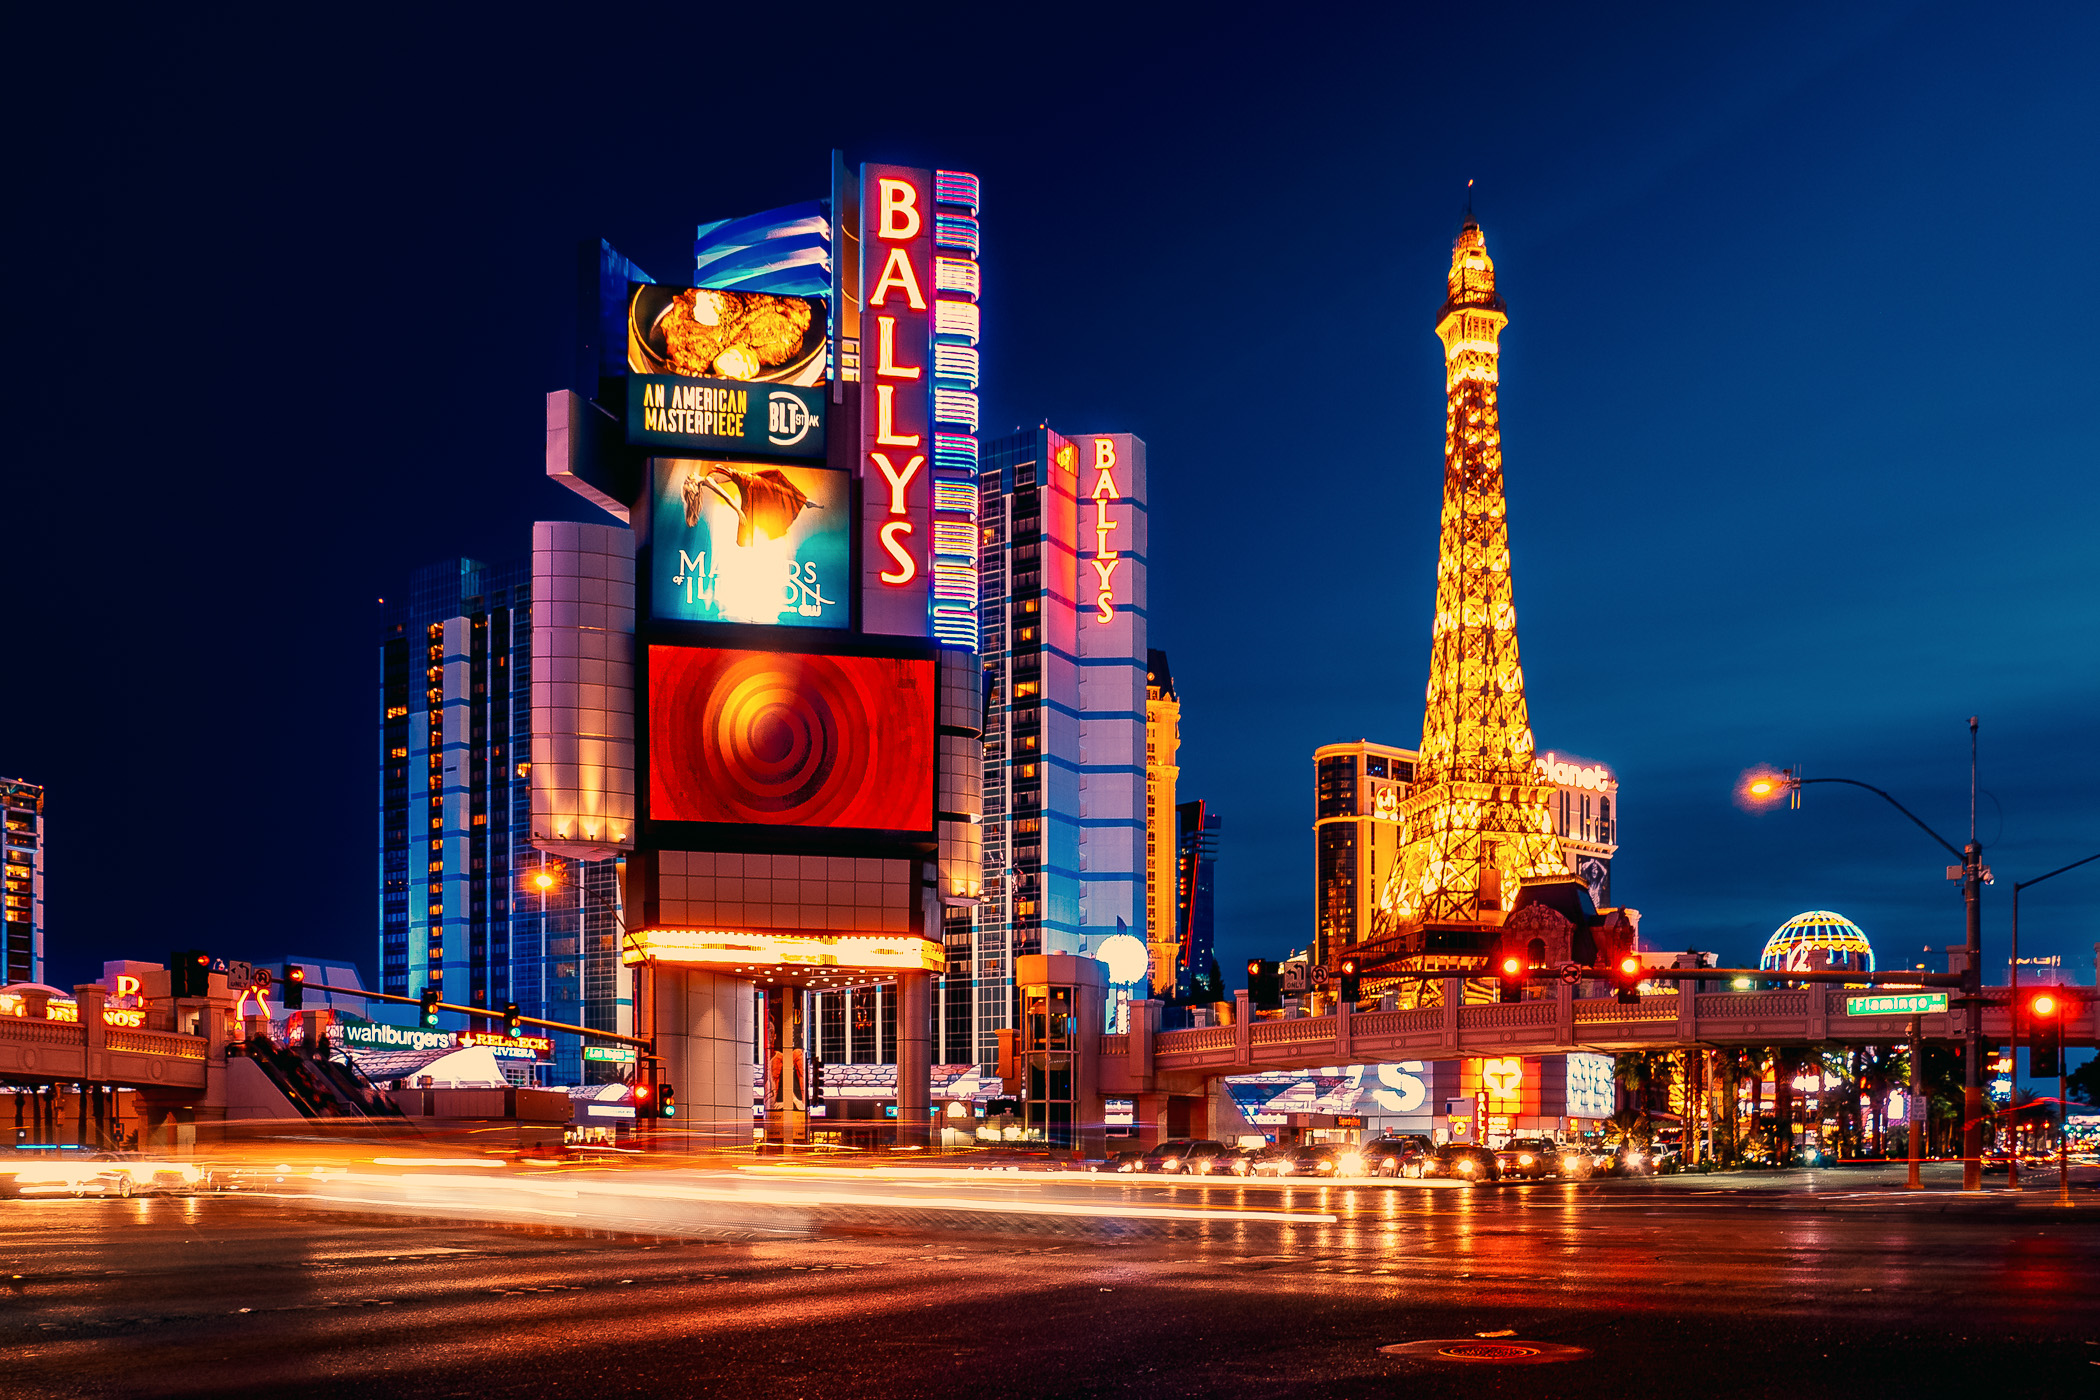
1798, 405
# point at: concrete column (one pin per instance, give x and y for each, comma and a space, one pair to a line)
1454, 996
1564, 1013
1242, 1027
1144, 1025
92, 997
703, 1029
914, 1057
784, 1074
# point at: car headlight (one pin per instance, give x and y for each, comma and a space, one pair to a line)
1351, 1163
1524, 1159
1466, 1165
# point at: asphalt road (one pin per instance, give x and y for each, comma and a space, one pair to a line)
1817, 1284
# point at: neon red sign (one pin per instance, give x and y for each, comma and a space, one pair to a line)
896, 426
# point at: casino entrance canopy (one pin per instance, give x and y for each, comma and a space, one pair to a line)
810, 960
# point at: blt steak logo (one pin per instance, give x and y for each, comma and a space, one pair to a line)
788, 419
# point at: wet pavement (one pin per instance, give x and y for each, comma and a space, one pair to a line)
884, 1283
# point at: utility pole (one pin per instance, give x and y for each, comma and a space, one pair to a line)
1917, 1110
1972, 991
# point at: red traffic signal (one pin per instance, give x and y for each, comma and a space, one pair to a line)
2045, 1051
1626, 978
1511, 972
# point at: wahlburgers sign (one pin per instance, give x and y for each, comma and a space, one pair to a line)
368, 1036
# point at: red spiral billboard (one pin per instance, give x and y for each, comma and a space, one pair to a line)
784, 739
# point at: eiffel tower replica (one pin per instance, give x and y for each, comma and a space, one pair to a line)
1476, 825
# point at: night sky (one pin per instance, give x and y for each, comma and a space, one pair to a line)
1798, 402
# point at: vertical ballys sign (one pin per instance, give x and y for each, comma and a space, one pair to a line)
896, 398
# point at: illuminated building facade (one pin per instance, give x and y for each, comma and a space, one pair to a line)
1476, 825
1164, 942
1357, 791
22, 817
1063, 562
459, 904
1199, 826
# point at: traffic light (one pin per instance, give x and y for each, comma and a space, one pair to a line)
642, 1096
1626, 978
430, 1008
666, 1102
1264, 984
1511, 973
189, 973
2045, 1027
513, 1023
294, 994
1352, 982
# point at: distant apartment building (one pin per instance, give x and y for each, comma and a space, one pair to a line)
467, 904
1164, 930
1196, 883
22, 953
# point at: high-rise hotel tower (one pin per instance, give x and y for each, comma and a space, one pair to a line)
22, 950
467, 904
1063, 558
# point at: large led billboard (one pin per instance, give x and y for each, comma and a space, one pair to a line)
708, 333
748, 542
711, 370
787, 739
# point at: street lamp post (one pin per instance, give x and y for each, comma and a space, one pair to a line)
1763, 788
2012, 1166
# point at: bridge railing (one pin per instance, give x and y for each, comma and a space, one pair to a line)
1115, 1045
1745, 1005
1195, 1041
1502, 1015
1296, 1030
1616, 1012
1376, 1023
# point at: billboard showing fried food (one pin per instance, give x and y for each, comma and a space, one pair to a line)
706, 333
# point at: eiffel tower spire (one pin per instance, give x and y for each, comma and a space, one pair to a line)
1476, 824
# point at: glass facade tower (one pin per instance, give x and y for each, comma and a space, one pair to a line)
467, 904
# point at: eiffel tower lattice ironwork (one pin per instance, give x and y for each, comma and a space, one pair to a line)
1476, 824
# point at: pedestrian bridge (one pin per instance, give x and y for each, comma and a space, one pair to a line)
1552, 1025
41, 1052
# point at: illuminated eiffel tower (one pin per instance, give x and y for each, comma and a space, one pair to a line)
1475, 826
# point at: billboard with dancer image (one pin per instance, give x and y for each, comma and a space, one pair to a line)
750, 542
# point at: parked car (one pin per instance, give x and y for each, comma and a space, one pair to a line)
1400, 1155
1529, 1157
1183, 1155
1463, 1161
1328, 1159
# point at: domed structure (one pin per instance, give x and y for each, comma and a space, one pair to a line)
1818, 941
1128, 959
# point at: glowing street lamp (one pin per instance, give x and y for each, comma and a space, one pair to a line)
1761, 788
